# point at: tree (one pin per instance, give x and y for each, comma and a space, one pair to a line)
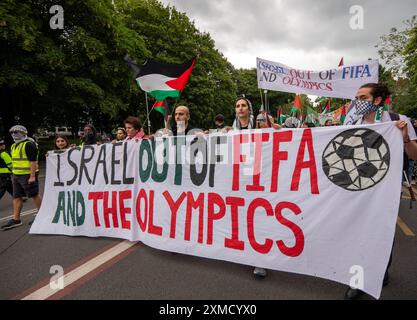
391, 48
171, 37
398, 50
64, 76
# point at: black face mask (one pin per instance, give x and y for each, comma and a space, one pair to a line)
89, 138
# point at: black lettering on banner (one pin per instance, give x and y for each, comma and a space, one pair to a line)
178, 142
114, 162
144, 174
101, 160
73, 165
214, 157
126, 180
199, 145
58, 183
83, 163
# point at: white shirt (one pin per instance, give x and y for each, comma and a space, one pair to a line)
386, 117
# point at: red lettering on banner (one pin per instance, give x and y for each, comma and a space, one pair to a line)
95, 196
234, 242
174, 206
277, 156
298, 248
194, 204
258, 138
306, 139
157, 230
123, 195
142, 222
214, 199
265, 247
110, 210
238, 158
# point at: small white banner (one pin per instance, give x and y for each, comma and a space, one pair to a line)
342, 82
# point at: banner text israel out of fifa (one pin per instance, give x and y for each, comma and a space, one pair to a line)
341, 82
310, 201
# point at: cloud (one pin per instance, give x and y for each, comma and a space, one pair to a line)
299, 33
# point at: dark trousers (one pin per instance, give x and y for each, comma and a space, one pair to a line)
5, 185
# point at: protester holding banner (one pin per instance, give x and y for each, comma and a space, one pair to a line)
61, 142
244, 115
90, 135
133, 129
367, 109
245, 120
120, 135
219, 122
182, 120
328, 123
308, 125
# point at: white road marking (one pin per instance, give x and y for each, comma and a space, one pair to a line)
26, 213
76, 274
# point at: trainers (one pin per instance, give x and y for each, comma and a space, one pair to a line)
353, 294
11, 224
259, 272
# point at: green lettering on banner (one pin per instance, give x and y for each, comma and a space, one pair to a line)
156, 176
61, 208
145, 173
80, 201
72, 212
178, 142
71, 209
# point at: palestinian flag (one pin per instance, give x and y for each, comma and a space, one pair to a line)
297, 105
160, 106
387, 104
327, 108
343, 113
163, 108
162, 80
281, 116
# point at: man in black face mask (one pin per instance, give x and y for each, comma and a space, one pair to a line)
367, 109
90, 135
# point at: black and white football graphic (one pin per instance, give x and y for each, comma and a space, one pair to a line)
356, 159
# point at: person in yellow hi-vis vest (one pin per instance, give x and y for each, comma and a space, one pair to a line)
5, 171
24, 173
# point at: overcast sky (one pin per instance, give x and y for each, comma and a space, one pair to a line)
299, 33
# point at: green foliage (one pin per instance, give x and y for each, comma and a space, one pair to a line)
399, 51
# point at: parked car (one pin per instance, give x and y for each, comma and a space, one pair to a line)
65, 131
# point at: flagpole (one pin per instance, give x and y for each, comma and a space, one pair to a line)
147, 113
266, 101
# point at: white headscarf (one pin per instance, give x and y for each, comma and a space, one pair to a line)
236, 124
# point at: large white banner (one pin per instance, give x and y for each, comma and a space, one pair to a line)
342, 82
321, 201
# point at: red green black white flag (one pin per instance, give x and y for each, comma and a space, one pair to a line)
162, 80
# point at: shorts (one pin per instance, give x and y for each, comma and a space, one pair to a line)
21, 187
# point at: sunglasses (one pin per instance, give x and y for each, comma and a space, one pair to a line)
15, 132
